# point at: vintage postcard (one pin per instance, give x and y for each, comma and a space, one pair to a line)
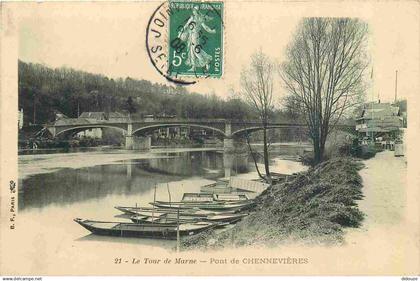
220, 137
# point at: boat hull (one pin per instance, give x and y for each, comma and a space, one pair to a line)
161, 231
211, 206
191, 211
167, 218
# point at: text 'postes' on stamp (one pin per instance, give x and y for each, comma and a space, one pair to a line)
185, 40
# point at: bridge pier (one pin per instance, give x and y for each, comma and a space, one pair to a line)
228, 164
138, 143
134, 142
129, 142
129, 138
232, 145
228, 145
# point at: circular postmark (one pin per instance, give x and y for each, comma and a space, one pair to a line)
184, 40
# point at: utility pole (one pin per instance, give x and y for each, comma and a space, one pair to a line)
396, 84
34, 109
177, 232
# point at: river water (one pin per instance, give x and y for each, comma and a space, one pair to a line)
49, 201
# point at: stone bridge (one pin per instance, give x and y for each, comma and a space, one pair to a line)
226, 129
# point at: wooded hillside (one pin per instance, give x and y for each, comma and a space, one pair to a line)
72, 92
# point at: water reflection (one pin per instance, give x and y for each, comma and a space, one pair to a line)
169, 244
48, 203
130, 177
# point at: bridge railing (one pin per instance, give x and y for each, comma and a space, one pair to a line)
125, 120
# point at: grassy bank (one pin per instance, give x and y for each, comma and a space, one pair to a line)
313, 208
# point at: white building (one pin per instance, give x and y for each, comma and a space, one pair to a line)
20, 119
91, 133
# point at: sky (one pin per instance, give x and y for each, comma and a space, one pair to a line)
109, 38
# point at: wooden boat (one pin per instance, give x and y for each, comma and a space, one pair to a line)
248, 185
197, 197
212, 197
197, 213
173, 218
161, 231
216, 188
231, 197
186, 212
171, 222
218, 206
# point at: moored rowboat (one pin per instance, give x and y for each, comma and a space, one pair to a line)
213, 197
187, 212
162, 231
216, 206
173, 218
216, 188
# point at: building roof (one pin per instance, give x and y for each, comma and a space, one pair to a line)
72, 121
379, 111
379, 117
100, 115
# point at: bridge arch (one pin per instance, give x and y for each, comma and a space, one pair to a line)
158, 126
343, 128
259, 128
86, 127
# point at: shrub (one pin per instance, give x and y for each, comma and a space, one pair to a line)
314, 207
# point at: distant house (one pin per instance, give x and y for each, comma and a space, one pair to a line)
149, 118
59, 115
93, 115
95, 133
378, 119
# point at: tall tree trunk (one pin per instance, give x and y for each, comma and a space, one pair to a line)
253, 158
322, 147
321, 153
266, 162
317, 152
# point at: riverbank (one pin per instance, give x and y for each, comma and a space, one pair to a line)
384, 189
313, 208
34, 164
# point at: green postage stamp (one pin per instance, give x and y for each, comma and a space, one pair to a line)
195, 39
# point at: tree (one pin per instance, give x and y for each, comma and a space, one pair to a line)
257, 91
130, 105
324, 72
72, 92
